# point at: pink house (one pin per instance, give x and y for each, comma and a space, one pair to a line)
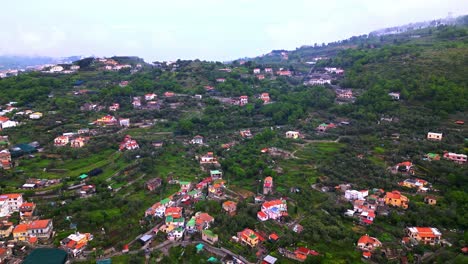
457, 158
274, 209
256, 71
244, 99
265, 97
61, 141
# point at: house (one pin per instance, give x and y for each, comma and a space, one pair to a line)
87, 190
5, 122
268, 185
173, 211
35, 115
351, 195
20, 232
319, 80
157, 144
185, 186
405, 167
5, 159
432, 156
368, 243
265, 97
297, 228
208, 158
153, 184
284, 73
78, 142
56, 68
74, 244
256, 71
176, 233
216, 188
395, 198
41, 229
197, 140
5, 254
13, 200
107, 120
124, 122
425, 235
136, 102
249, 237
150, 96
269, 260
324, 127
344, 93
230, 207
245, 133
268, 70
209, 236
6, 228
415, 183
431, 200
457, 158
123, 83
261, 77
434, 136
394, 96
204, 183
128, 143
274, 209
216, 174
114, 107
26, 211
334, 70
243, 100
169, 94
220, 80
292, 134
203, 221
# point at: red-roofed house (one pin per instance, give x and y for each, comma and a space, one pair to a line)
26, 211
368, 243
230, 207
128, 143
265, 97
150, 96
425, 235
249, 237
274, 209
61, 141
395, 198
41, 229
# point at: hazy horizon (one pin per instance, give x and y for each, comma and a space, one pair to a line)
218, 30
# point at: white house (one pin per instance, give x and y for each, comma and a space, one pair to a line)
434, 136
395, 96
8, 123
356, 195
56, 68
36, 115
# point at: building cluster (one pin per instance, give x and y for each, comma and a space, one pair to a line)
31, 229
128, 143
74, 139
366, 206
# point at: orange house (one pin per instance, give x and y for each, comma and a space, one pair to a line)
395, 198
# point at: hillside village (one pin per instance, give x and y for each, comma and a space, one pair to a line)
293, 160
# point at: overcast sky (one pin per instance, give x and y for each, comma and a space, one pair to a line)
203, 29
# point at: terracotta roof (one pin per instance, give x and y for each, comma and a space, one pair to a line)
39, 224
21, 228
274, 236
367, 240
13, 195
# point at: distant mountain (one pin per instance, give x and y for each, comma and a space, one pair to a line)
23, 62
377, 38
